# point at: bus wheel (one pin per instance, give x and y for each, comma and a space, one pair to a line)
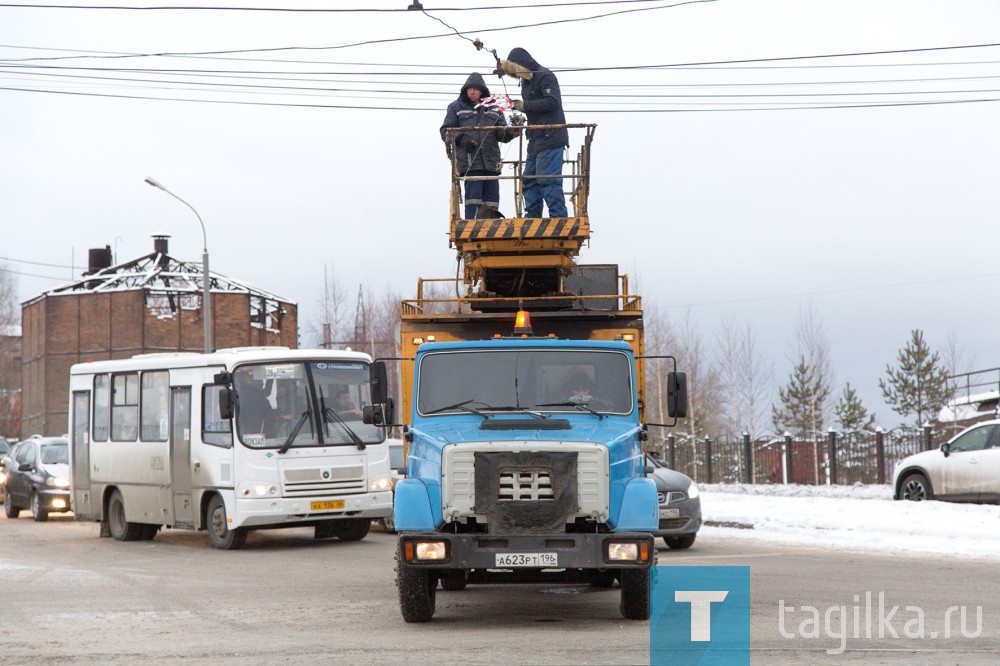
219, 533
353, 529
120, 529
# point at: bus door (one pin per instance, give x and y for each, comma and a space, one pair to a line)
80, 502
180, 456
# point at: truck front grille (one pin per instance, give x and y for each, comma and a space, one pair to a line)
525, 485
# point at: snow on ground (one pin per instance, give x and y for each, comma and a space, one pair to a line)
860, 516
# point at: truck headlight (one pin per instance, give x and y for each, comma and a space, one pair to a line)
383, 482
693, 490
423, 551
627, 551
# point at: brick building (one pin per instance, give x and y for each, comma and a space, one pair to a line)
149, 304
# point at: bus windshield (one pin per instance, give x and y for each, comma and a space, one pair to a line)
478, 381
295, 404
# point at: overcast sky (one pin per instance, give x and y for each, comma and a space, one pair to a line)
730, 189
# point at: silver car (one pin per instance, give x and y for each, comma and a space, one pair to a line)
680, 506
966, 468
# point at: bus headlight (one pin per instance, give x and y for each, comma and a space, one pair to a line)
259, 490
383, 482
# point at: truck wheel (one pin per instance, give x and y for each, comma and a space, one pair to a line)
354, 529
417, 591
219, 533
454, 581
121, 529
602, 579
635, 593
680, 542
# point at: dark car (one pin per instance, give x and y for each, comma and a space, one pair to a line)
38, 477
680, 506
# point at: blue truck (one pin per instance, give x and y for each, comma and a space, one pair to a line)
522, 405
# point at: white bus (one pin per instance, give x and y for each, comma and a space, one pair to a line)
227, 442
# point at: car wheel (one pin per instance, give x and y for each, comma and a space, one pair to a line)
9, 508
916, 488
219, 533
38, 512
635, 594
417, 591
680, 542
121, 530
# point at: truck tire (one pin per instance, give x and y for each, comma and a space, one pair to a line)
635, 593
454, 581
417, 591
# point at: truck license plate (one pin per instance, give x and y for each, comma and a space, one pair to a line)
527, 560
670, 513
327, 506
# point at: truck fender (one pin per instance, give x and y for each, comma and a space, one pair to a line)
412, 507
640, 507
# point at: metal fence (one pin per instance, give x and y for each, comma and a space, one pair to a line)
838, 458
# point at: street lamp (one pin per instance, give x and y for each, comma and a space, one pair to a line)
206, 294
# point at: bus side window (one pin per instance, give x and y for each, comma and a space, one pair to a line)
214, 429
125, 407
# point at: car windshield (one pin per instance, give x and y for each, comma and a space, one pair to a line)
55, 454
558, 380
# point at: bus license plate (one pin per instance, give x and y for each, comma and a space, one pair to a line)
527, 560
327, 506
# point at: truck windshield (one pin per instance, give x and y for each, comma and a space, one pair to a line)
288, 405
539, 380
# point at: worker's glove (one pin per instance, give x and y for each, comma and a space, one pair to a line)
516, 119
518, 105
470, 146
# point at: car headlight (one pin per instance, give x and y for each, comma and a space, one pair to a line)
383, 482
57, 482
693, 490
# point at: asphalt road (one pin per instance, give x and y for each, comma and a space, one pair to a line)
70, 597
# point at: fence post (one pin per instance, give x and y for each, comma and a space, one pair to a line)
672, 451
831, 456
880, 455
747, 459
788, 458
928, 444
708, 459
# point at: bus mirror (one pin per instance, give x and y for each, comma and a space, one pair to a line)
677, 395
380, 389
223, 379
372, 415
226, 404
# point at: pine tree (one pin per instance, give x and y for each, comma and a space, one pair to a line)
851, 414
920, 383
801, 402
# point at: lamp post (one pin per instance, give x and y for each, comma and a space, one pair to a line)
206, 294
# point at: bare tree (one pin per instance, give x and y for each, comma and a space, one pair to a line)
332, 327
10, 356
704, 413
746, 378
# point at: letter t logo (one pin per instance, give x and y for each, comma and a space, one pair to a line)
701, 610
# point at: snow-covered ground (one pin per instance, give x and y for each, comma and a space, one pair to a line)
863, 517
